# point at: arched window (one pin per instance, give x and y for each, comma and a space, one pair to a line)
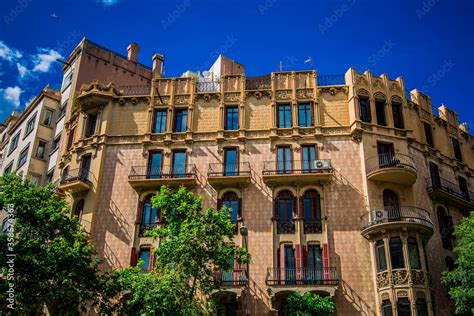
79, 209
364, 106
380, 108
387, 308
445, 223
403, 307
421, 308
285, 206
232, 203
311, 205
390, 198
397, 114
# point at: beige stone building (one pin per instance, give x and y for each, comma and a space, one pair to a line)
348, 186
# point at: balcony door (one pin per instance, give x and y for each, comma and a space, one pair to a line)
308, 158
179, 164
435, 179
231, 162
284, 159
386, 154
315, 264
289, 264
391, 204
85, 167
155, 163
463, 188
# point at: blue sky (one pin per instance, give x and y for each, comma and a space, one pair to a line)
428, 42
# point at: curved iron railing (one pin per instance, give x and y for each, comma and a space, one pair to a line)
76, 175
331, 80
302, 276
258, 83
390, 214
296, 167
449, 187
208, 86
231, 278
135, 90
389, 161
228, 170
162, 172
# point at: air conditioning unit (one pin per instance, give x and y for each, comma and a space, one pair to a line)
379, 215
322, 164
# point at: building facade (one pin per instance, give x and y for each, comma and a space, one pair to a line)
348, 186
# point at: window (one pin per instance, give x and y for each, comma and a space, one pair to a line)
231, 162
284, 116
67, 81
386, 308
315, 258
289, 261
311, 206
463, 188
434, 173
14, 143
457, 149
308, 155
421, 309
70, 139
231, 201
364, 108
49, 177
428, 134
397, 115
41, 150
62, 110
79, 209
180, 121
425, 253
285, 206
23, 157
380, 111
284, 161
386, 155
36, 179
231, 118
30, 126
159, 121
91, 125
155, 164
151, 215
403, 307
179, 164
380, 255
396, 253
9, 168
144, 260
413, 253
305, 115
445, 223
47, 117
85, 167
390, 200
55, 143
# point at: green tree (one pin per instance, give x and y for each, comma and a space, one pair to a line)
54, 263
310, 304
193, 244
460, 281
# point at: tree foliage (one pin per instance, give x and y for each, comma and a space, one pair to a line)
54, 263
460, 281
193, 244
310, 304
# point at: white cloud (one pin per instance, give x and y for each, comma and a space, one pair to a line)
12, 94
22, 70
108, 2
44, 59
8, 53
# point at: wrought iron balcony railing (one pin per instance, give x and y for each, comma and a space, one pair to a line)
314, 226
177, 171
145, 227
76, 175
390, 214
302, 276
228, 170
450, 188
285, 226
258, 83
331, 80
296, 167
389, 161
134, 90
208, 86
231, 278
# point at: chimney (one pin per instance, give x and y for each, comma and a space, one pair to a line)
132, 52
157, 69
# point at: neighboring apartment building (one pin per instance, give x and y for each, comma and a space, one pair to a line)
4, 136
348, 186
30, 138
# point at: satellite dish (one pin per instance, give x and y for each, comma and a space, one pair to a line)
206, 73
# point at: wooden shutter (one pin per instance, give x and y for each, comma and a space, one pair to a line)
326, 271
151, 263
305, 255
133, 257
139, 217
282, 263
298, 261
239, 211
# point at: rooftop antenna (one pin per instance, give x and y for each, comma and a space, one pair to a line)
281, 66
309, 61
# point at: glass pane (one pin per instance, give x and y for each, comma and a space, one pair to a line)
232, 207
403, 307
386, 308
396, 253
230, 162
421, 309
154, 165
146, 213
288, 166
160, 122
145, 256
179, 164
414, 254
307, 208
381, 260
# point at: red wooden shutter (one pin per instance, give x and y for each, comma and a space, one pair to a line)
139, 217
282, 263
326, 271
298, 261
133, 257
305, 255
236, 273
239, 211
151, 263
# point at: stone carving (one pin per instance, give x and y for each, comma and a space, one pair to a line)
402, 294
232, 97
400, 277
379, 96
283, 94
357, 136
400, 133
383, 279
287, 227
385, 296
361, 79
305, 93
367, 127
284, 132
181, 99
363, 93
377, 83
417, 277
395, 86
396, 99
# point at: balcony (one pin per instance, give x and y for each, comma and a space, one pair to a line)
323, 279
445, 190
148, 177
144, 227
297, 172
313, 226
232, 278
395, 168
395, 217
285, 227
221, 175
76, 181
403, 278
208, 86
134, 90
258, 83
331, 80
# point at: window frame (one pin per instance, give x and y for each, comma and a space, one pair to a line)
155, 120
177, 113
380, 245
234, 120
397, 115
307, 111
48, 113
23, 154
90, 128
15, 140
380, 112
45, 144
395, 264
67, 80
456, 149
287, 150
9, 168
428, 131
285, 113
365, 114
30, 126
412, 245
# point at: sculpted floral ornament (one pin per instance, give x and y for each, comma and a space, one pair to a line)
383, 279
